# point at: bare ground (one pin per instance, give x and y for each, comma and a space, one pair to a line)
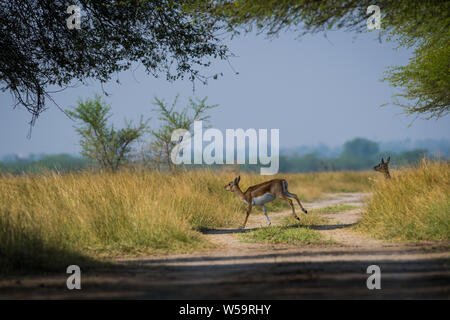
235, 269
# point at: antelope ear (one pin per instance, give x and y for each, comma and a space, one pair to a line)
388, 159
382, 160
236, 181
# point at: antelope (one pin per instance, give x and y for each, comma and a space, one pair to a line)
383, 167
263, 193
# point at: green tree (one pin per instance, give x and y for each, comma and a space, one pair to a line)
109, 147
360, 148
357, 154
421, 25
425, 81
162, 144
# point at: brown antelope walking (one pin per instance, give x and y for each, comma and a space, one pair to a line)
262, 193
383, 167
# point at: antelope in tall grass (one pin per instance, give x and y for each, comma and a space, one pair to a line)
383, 167
263, 193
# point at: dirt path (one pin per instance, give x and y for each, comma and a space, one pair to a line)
336, 229
242, 270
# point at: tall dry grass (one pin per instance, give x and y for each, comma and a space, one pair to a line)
413, 205
51, 220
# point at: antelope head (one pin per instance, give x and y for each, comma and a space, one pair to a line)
233, 184
383, 167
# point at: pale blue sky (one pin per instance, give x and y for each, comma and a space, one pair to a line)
313, 89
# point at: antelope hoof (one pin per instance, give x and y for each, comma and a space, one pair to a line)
305, 211
297, 218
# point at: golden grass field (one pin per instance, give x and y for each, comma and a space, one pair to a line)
49, 219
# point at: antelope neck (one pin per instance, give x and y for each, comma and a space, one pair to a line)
238, 192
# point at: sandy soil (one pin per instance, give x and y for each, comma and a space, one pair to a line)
240, 270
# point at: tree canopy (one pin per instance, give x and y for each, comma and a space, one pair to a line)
421, 25
177, 38
39, 51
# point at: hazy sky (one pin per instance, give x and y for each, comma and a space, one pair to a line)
313, 89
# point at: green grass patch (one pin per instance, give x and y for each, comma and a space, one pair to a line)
289, 232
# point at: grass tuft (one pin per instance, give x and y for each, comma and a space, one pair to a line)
290, 231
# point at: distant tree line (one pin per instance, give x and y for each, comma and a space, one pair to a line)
357, 154
57, 162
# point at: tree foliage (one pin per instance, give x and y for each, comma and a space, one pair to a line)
39, 52
425, 81
109, 147
421, 25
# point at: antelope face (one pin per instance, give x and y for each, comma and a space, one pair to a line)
230, 186
383, 166
233, 184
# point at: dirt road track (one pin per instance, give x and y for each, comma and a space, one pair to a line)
240, 270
